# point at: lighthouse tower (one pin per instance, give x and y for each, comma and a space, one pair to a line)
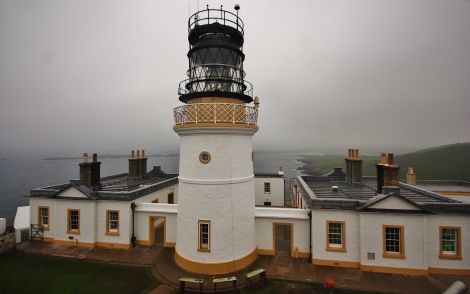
216, 197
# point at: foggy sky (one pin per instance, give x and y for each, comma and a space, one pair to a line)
102, 76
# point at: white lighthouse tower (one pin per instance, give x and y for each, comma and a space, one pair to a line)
216, 223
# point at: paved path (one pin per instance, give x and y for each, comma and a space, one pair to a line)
285, 267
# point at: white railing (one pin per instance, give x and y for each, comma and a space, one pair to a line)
215, 113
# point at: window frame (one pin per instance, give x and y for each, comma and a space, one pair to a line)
69, 221
330, 246
268, 186
390, 254
108, 223
199, 247
40, 219
458, 243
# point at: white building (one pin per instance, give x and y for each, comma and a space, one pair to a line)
219, 216
405, 229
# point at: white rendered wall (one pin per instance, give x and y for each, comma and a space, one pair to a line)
230, 156
371, 236
301, 226
162, 195
58, 218
221, 191
351, 219
125, 221
59, 215
277, 191
230, 210
34, 203
434, 221
143, 226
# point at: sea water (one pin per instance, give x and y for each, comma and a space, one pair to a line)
19, 176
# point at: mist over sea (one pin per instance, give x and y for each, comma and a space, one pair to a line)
18, 176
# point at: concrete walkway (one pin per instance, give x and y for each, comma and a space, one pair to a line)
284, 267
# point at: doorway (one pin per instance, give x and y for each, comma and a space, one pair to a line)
157, 230
283, 237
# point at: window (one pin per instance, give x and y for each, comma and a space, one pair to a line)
204, 235
43, 217
335, 236
171, 198
73, 221
393, 242
267, 188
204, 157
449, 243
112, 222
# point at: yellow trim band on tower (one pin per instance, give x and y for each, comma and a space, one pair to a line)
215, 268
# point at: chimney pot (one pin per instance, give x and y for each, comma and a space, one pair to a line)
95, 157
411, 177
356, 153
349, 153
138, 153
85, 157
390, 160
143, 153
383, 158
133, 154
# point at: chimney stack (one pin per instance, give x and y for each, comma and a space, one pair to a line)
388, 176
411, 177
137, 165
353, 167
90, 171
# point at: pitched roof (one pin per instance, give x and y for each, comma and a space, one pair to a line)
115, 187
318, 192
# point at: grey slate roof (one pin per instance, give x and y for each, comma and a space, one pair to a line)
116, 187
317, 192
119, 187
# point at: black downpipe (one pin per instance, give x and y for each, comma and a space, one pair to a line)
310, 234
133, 224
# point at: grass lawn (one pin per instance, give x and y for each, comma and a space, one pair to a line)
275, 286
29, 273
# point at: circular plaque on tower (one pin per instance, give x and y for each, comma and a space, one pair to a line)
204, 157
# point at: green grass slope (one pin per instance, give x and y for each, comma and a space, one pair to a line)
449, 162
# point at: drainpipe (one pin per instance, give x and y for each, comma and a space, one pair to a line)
310, 234
133, 224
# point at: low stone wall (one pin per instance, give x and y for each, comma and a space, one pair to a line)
7, 242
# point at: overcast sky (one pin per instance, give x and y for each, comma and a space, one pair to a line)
102, 76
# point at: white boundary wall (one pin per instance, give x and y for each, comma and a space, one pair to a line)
265, 217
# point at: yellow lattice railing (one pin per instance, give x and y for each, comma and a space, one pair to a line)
215, 113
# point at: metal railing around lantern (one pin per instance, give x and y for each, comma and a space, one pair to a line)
216, 113
210, 15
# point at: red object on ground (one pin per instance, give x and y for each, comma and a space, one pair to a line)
329, 283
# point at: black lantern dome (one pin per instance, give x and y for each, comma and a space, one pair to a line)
215, 57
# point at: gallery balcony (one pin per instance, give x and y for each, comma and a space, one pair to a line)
215, 115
